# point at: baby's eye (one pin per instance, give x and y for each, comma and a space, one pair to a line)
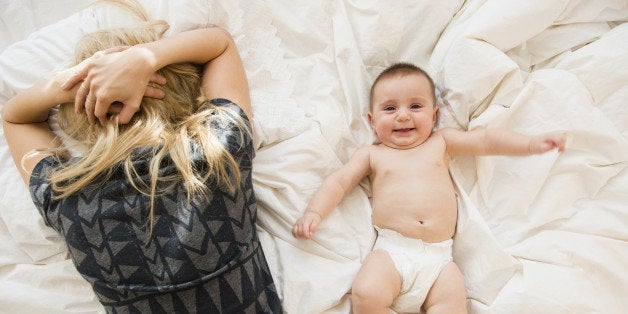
416, 106
389, 108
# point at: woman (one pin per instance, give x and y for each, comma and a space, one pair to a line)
158, 211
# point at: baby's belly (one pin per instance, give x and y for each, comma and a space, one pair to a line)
436, 225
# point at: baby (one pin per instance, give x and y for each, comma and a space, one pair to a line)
413, 198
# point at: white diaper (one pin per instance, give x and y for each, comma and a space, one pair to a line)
419, 264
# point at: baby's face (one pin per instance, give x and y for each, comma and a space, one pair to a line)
403, 112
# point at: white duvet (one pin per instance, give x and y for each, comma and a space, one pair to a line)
541, 234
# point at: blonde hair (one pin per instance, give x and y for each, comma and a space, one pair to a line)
166, 126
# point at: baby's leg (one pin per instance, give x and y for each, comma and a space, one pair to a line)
447, 295
376, 285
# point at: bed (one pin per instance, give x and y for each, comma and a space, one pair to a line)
544, 234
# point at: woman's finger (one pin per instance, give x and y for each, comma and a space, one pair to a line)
90, 105
79, 98
81, 70
154, 92
79, 74
127, 112
158, 79
101, 108
115, 49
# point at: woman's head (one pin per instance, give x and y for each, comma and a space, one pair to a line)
180, 92
167, 127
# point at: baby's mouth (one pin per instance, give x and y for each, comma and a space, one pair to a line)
404, 130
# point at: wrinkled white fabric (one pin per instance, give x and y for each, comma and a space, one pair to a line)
542, 233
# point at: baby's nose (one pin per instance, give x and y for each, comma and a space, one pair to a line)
403, 114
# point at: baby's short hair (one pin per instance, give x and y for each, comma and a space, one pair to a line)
402, 69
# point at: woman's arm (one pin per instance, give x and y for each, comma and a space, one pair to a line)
500, 142
24, 121
224, 77
121, 75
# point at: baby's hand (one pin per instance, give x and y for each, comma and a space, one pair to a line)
306, 225
545, 142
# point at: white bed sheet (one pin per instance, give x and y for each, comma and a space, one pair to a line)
536, 234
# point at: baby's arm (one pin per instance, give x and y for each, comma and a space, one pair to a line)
500, 142
331, 192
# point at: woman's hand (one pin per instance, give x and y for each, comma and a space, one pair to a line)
113, 82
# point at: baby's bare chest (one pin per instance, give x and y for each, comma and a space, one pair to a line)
413, 177
421, 163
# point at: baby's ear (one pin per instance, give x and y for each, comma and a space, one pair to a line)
369, 115
435, 117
